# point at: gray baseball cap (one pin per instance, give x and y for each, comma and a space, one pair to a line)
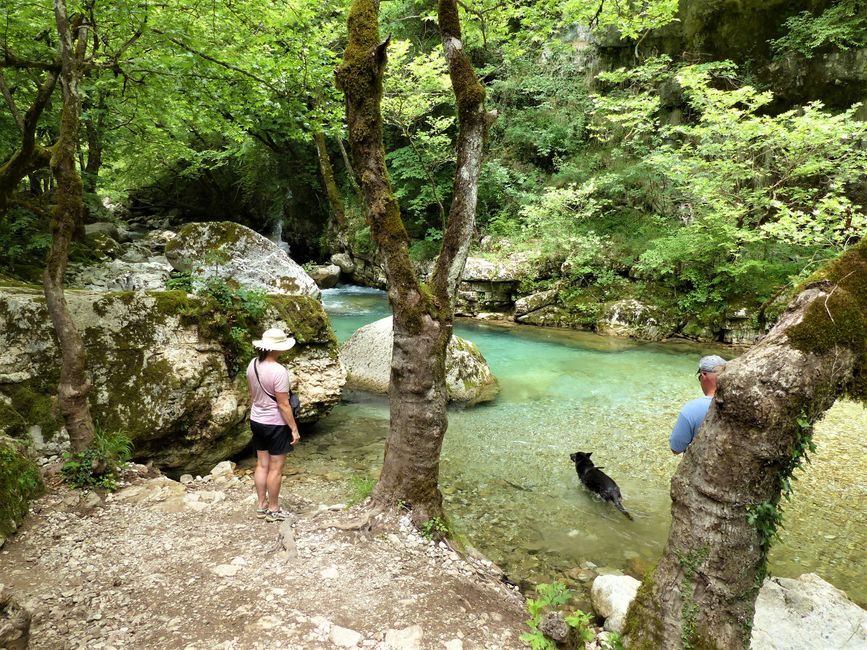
710, 363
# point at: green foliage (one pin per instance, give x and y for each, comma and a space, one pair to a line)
24, 242
843, 24
101, 463
229, 313
362, 487
19, 483
434, 528
554, 596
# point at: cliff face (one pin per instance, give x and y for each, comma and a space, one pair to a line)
741, 31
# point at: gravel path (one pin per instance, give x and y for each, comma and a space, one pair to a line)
160, 564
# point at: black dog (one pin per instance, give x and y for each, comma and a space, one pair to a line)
595, 480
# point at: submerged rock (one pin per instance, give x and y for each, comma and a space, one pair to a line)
367, 359
231, 251
157, 375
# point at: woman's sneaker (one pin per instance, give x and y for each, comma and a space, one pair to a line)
277, 515
261, 513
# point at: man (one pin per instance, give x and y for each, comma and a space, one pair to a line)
692, 414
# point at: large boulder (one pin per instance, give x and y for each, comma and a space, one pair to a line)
231, 251
159, 369
366, 355
806, 613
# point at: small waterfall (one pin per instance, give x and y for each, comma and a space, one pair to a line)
276, 236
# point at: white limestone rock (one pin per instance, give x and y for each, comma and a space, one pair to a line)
156, 377
231, 251
806, 613
630, 317
611, 596
366, 355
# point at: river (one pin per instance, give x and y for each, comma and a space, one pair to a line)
511, 489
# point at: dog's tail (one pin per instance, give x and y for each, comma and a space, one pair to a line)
620, 507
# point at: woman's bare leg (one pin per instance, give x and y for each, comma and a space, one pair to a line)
260, 477
275, 476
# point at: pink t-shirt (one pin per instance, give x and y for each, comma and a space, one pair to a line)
274, 379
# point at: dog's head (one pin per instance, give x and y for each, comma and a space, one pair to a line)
579, 457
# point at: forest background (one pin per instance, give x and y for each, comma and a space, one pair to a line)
640, 151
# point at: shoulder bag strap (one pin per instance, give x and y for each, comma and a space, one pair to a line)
255, 361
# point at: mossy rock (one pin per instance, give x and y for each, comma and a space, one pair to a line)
20, 482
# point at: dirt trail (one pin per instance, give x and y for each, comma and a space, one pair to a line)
164, 565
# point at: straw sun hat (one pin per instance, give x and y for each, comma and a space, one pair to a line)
274, 339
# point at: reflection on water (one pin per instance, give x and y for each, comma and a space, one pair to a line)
510, 486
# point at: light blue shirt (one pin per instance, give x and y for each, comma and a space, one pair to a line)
690, 419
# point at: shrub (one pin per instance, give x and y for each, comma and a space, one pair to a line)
99, 464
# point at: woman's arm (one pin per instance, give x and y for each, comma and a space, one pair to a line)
286, 411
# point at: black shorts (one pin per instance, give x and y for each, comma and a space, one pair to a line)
273, 438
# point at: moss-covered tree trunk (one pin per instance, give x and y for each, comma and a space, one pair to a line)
30, 156
726, 492
337, 227
69, 207
422, 316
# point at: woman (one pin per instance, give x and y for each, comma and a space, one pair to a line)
271, 420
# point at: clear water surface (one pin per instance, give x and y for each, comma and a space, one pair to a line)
511, 488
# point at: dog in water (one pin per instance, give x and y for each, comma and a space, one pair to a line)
597, 481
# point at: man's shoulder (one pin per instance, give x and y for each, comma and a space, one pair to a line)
697, 405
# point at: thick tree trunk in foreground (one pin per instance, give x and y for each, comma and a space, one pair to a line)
422, 318
726, 492
74, 384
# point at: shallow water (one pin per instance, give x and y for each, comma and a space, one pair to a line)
510, 486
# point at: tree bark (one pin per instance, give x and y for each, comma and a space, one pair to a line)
422, 317
726, 492
30, 156
74, 383
337, 227
94, 128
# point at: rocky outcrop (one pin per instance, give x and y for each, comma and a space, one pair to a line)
366, 355
528, 304
19, 479
488, 286
156, 376
231, 251
326, 276
632, 318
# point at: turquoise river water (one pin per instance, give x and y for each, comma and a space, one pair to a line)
510, 487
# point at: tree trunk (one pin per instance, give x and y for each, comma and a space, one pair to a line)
74, 384
30, 156
94, 128
422, 318
726, 492
337, 227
